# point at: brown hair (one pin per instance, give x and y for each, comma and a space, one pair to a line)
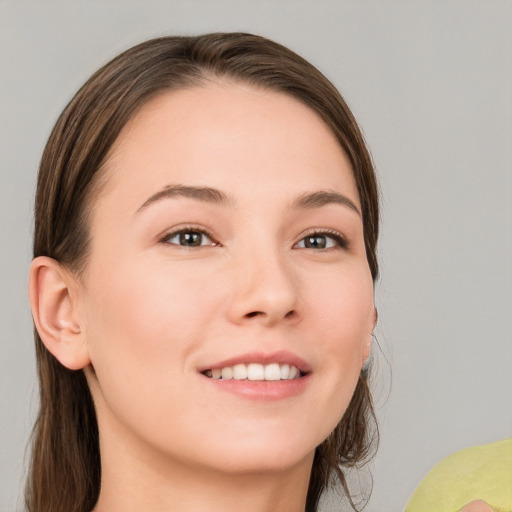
65, 469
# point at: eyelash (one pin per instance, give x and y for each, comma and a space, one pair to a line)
340, 241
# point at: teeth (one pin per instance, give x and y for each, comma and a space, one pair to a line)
239, 372
227, 373
272, 372
255, 371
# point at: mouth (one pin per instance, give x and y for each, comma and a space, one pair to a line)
260, 376
256, 372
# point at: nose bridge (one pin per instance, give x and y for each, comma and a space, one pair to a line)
265, 285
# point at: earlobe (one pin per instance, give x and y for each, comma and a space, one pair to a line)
55, 314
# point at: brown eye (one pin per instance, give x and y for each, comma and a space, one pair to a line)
189, 238
315, 242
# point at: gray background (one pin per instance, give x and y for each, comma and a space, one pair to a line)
430, 82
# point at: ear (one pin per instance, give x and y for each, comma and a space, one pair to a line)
53, 300
367, 349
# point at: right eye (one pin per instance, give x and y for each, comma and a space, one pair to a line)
189, 238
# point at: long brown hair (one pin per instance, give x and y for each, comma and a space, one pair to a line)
65, 469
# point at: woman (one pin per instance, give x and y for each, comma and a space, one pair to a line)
202, 284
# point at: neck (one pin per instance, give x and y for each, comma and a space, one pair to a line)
135, 478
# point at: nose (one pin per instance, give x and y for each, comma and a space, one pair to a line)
265, 290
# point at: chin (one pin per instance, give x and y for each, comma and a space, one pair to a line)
259, 451
266, 461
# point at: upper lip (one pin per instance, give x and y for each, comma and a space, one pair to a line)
281, 357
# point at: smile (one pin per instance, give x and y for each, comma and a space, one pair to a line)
257, 376
255, 372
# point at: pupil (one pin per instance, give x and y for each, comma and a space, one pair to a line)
316, 242
190, 239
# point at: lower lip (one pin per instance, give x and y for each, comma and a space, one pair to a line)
270, 390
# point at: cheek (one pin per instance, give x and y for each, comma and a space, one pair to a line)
142, 327
343, 313
342, 306
148, 304
141, 330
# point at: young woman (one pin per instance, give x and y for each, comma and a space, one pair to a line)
202, 286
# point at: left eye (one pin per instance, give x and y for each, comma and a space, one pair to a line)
189, 238
321, 241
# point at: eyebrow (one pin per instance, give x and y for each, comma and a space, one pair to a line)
322, 198
308, 200
204, 194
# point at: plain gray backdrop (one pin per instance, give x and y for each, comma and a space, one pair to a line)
430, 83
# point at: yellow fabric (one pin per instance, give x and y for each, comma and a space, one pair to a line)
476, 473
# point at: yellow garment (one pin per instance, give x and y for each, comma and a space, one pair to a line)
476, 473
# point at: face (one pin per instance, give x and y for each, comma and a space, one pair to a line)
226, 242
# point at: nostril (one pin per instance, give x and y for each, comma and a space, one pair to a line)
253, 314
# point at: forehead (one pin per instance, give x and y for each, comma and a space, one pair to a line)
231, 136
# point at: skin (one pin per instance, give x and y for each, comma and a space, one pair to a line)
149, 313
477, 506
